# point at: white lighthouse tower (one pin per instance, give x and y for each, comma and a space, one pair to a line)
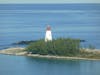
48, 35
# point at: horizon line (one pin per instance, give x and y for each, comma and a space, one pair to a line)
51, 3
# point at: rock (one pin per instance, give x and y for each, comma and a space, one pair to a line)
24, 42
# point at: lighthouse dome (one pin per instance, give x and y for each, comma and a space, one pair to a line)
48, 28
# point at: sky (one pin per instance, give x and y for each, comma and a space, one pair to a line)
48, 1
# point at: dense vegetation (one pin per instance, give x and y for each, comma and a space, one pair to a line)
61, 46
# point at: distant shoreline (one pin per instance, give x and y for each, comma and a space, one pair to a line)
20, 52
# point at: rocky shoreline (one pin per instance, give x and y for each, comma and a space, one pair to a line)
13, 51
21, 52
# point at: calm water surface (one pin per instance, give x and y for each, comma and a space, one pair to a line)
20, 65
28, 22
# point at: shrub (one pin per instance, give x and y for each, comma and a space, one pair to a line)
60, 46
91, 47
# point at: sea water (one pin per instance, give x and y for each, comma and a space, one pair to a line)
21, 65
22, 22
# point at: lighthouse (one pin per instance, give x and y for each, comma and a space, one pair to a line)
48, 35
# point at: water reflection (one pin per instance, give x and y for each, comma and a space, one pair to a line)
65, 67
55, 66
21, 65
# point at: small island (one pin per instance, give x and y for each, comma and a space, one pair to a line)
64, 48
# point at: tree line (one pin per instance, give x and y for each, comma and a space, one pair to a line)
60, 46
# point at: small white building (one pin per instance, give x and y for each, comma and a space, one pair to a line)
48, 35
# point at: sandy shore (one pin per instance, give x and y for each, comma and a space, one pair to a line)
21, 52
13, 51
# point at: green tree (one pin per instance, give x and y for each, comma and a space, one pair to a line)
60, 46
